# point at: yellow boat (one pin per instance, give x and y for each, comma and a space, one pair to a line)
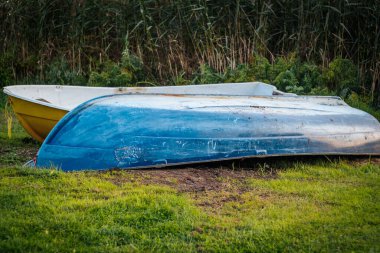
37, 119
39, 107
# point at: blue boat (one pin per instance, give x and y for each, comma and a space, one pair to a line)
155, 130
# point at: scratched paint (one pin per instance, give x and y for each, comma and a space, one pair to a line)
133, 131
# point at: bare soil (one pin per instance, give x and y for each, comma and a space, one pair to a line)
215, 184
198, 179
14, 153
210, 187
215, 176
202, 177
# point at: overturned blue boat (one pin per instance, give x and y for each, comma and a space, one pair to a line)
155, 130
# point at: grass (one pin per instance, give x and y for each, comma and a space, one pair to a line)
52, 211
305, 206
14, 151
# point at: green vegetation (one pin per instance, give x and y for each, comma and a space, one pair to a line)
362, 103
126, 73
18, 149
51, 211
138, 42
304, 207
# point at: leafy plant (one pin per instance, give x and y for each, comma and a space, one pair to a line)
261, 69
340, 74
59, 72
321, 91
126, 73
181, 79
131, 63
242, 73
362, 103
282, 64
287, 81
310, 76
111, 75
206, 74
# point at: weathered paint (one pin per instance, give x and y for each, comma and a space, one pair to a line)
133, 131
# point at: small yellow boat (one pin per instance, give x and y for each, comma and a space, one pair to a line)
37, 119
39, 107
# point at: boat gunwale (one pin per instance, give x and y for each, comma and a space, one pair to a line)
35, 101
8, 91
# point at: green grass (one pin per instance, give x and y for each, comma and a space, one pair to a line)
286, 205
20, 147
362, 103
52, 211
325, 207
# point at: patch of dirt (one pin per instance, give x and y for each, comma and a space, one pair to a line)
214, 185
197, 179
360, 161
16, 154
28, 153
211, 186
216, 177
208, 177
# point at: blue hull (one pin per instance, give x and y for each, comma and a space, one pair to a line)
134, 131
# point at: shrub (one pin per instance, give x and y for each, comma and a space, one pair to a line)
206, 74
59, 72
126, 73
321, 91
362, 103
341, 74
242, 73
111, 75
180, 79
131, 63
282, 64
261, 69
309, 76
287, 81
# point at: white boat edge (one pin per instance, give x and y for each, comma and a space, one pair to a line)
49, 95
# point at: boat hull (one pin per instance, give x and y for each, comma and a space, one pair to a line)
37, 119
130, 131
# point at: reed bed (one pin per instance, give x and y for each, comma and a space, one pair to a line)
173, 37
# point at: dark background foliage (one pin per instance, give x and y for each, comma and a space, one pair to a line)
67, 41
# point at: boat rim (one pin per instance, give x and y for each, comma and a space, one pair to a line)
7, 91
35, 101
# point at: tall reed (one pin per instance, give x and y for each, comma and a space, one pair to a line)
176, 36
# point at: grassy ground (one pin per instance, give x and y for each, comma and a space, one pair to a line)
314, 204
